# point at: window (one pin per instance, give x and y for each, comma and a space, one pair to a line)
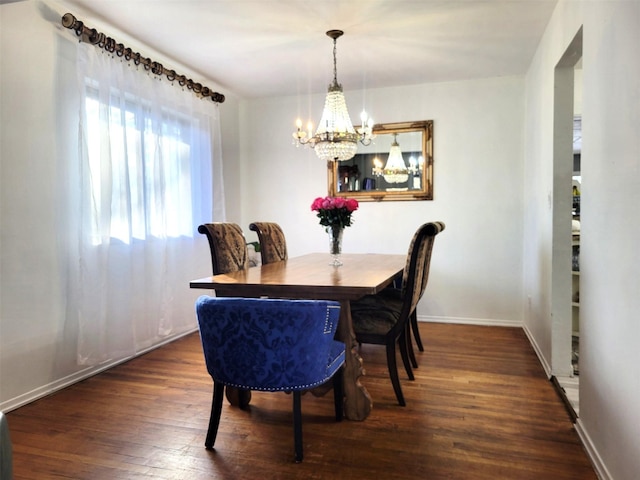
147, 170
139, 162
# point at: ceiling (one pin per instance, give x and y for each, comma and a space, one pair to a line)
261, 48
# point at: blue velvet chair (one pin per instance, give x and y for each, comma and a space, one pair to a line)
270, 345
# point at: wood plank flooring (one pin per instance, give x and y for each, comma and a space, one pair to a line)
480, 408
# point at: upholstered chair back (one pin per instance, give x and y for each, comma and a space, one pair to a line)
228, 247
273, 244
416, 271
269, 344
433, 229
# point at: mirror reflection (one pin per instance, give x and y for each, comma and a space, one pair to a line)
397, 165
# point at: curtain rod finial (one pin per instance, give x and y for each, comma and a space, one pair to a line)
68, 20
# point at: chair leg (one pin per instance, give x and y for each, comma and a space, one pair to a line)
412, 355
338, 393
297, 425
393, 371
216, 411
404, 353
416, 330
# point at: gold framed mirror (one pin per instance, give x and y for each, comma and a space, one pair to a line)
372, 176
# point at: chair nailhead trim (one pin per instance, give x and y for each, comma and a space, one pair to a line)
327, 324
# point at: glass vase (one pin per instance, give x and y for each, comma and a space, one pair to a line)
335, 244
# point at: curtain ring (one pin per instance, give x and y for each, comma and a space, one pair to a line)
127, 54
93, 36
157, 68
110, 45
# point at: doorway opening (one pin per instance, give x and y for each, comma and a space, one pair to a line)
565, 277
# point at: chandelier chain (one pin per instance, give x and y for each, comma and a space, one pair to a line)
335, 67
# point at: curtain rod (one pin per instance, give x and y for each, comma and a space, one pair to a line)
91, 35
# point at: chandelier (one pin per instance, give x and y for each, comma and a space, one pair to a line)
335, 138
395, 171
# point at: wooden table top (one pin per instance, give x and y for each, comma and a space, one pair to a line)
310, 276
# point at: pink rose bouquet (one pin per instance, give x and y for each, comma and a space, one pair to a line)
334, 211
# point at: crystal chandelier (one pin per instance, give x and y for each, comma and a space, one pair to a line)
335, 138
395, 171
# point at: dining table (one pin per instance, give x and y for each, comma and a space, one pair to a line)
313, 276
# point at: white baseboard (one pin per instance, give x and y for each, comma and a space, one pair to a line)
536, 348
48, 389
470, 321
592, 452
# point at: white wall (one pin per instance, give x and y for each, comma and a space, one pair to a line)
610, 281
37, 344
493, 188
476, 270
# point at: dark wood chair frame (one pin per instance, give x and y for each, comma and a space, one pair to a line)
414, 283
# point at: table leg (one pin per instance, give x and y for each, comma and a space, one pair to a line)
357, 402
238, 397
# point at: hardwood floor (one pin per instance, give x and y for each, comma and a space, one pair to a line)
480, 408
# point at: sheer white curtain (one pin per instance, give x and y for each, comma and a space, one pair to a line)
148, 165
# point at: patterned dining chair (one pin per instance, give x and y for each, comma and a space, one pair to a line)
273, 244
228, 247
413, 320
270, 345
229, 253
384, 319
